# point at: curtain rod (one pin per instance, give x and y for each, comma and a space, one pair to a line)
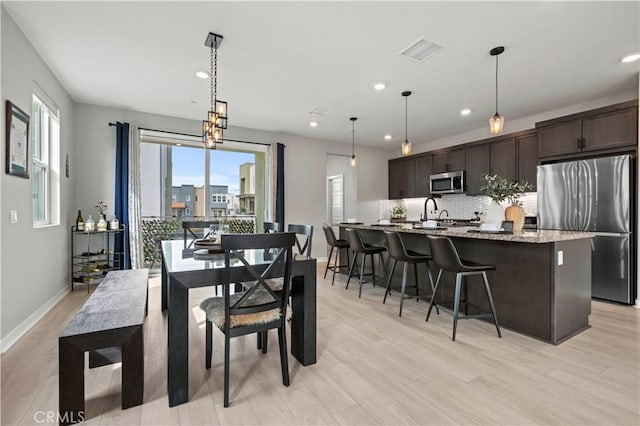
196, 136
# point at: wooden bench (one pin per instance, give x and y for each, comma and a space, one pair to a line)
109, 323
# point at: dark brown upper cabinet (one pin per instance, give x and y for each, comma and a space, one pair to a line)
424, 169
477, 163
527, 154
503, 158
609, 129
402, 178
450, 160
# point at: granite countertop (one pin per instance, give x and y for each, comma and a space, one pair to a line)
540, 236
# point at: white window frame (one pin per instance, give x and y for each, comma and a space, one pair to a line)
47, 137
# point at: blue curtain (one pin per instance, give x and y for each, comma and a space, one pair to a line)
122, 192
280, 185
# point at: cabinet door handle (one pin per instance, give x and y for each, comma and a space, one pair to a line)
583, 142
579, 143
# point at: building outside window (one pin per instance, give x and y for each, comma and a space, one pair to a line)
45, 137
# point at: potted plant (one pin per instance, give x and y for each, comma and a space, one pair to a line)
398, 213
500, 189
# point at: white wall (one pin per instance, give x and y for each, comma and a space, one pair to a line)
305, 165
34, 263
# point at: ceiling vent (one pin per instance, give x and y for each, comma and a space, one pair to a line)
319, 111
421, 50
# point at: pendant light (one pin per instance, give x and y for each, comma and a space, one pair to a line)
353, 140
496, 123
406, 145
216, 122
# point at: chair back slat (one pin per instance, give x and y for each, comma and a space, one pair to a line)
258, 296
304, 230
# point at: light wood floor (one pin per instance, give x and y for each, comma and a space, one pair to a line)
373, 368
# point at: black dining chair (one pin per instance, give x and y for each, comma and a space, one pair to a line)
446, 257
306, 232
258, 308
337, 244
269, 227
399, 253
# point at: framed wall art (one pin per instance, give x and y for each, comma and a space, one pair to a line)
17, 141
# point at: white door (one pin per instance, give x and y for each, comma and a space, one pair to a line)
335, 198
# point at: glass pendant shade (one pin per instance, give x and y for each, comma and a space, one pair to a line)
496, 124
406, 147
353, 161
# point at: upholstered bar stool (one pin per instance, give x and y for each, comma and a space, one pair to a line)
359, 247
446, 257
338, 245
399, 253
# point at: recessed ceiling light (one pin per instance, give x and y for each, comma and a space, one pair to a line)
631, 58
465, 111
387, 137
380, 86
202, 74
313, 123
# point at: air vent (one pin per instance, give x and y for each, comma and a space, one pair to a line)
319, 111
421, 50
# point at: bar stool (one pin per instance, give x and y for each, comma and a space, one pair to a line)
359, 247
337, 244
399, 253
446, 257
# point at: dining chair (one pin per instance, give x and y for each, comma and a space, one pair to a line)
269, 227
306, 231
258, 308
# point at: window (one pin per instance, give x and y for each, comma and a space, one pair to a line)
45, 136
187, 197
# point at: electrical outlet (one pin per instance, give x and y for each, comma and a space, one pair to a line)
14, 216
560, 258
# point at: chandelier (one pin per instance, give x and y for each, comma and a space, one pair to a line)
216, 122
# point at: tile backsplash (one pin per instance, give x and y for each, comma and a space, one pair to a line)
459, 206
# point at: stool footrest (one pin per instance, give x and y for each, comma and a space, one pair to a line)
462, 316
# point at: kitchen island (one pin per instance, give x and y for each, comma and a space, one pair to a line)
542, 283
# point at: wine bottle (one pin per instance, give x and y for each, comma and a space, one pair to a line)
79, 222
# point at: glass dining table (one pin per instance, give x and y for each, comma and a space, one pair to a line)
185, 268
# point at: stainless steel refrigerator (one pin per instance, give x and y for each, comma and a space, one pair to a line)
596, 195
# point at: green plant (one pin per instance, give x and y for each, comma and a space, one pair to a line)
499, 189
398, 211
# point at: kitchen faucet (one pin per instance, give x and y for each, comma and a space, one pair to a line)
442, 211
435, 207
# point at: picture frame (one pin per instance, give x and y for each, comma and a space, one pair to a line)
17, 141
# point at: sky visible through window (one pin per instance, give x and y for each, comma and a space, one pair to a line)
188, 164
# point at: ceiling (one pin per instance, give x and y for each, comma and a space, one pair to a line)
279, 60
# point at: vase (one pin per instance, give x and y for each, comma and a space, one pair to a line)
495, 214
399, 219
515, 213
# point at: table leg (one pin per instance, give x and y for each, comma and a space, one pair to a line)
133, 370
178, 340
303, 316
70, 382
164, 285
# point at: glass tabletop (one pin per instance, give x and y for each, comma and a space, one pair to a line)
180, 259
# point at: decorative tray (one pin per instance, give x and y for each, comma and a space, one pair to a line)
211, 246
351, 223
384, 225
431, 228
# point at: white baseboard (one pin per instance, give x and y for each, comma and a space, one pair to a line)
15, 334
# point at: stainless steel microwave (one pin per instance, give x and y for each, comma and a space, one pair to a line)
447, 183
